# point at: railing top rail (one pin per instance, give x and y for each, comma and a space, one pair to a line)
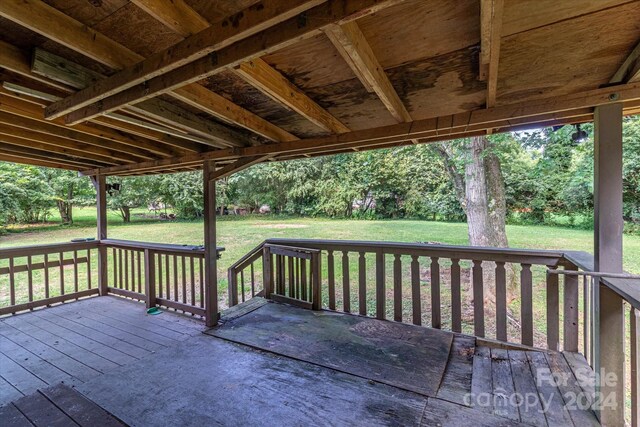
158, 247
534, 256
627, 288
20, 251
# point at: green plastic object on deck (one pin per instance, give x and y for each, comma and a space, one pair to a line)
154, 311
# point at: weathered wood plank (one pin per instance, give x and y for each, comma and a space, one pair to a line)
83, 412
571, 313
553, 316
501, 302
524, 383
456, 382
502, 385
20, 378
38, 366
481, 381
478, 298
10, 415
73, 367
381, 292
415, 291
436, 318
456, 296
570, 389
41, 412
555, 410
526, 310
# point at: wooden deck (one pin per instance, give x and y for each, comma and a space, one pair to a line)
270, 363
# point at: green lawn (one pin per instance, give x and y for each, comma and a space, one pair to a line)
240, 234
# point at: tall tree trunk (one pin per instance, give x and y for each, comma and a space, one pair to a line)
476, 193
497, 202
125, 212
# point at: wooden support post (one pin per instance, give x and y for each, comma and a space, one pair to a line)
100, 184
609, 338
210, 250
150, 278
316, 282
571, 329
634, 327
267, 272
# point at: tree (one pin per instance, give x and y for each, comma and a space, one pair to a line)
134, 192
68, 190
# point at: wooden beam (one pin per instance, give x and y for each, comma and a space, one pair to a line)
131, 155
293, 30
14, 59
175, 14
237, 166
181, 18
44, 155
207, 132
114, 139
40, 141
268, 80
354, 48
491, 12
21, 65
559, 109
210, 251
211, 39
27, 160
629, 71
220, 107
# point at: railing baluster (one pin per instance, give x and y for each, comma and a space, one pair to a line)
316, 281
501, 302
253, 281
75, 271
89, 269
634, 329
184, 280
381, 303
114, 257
167, 275
30, 278
201, 275
150, 278
303, 274
242, 284
61, 262
456, 296
120, 268
176, 297
331, 279
346, 291
12, 282
291, 276
478, 299
397, 288
585, 317
159, 276
571, 327
193, 280
297, 285
553, 315
125, 257
139, 272
436, 318
46, 275
526, 320
415, 290
362, 284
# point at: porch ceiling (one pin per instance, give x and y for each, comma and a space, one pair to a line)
144, 86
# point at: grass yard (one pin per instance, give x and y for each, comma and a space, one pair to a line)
240, 234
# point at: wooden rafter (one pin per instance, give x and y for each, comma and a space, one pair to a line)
53, 24
199, 45
354, 48
491, 12
30, 160
182, 19
237, 166
47, 154
556, 110
629, 71
288, 32
269, 80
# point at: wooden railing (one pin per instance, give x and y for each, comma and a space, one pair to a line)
37, 276
158, 274
463, 289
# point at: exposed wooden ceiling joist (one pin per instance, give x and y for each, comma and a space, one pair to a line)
53, 24
491, 12
354, 48
19, 105
269, 80
181, 18
36, 152
288, 32
204, 41
629, 71
557, 109
30, 160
